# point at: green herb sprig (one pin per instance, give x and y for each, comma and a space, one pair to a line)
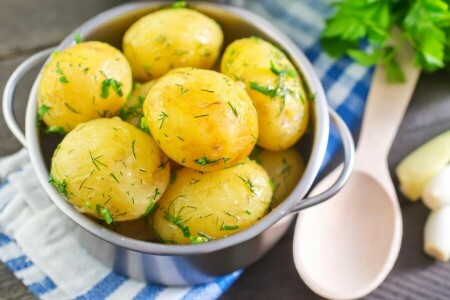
424, 24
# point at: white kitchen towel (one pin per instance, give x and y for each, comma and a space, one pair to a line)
36, 241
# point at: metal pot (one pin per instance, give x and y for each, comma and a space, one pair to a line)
197, 263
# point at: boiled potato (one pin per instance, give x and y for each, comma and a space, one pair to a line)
200, 206
84, 82
169, 39
275, 88
201, 119
285, 168
110, 169
131, 112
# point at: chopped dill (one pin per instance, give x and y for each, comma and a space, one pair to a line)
71, 108
62, 77
116, 86
233, 109
61, 186
249, 184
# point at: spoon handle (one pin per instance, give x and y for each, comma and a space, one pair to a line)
385, 107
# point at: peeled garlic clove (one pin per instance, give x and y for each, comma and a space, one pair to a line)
437, 234
437, 191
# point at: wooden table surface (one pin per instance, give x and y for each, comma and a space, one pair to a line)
29, 26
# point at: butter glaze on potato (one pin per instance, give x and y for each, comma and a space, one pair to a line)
201, 119
109, 169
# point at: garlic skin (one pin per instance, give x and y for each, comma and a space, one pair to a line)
437, 191
437, 234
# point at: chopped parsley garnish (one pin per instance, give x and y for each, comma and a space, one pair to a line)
114, 84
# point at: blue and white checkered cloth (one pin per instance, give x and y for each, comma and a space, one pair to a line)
34, 239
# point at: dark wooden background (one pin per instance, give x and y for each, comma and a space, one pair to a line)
29, 26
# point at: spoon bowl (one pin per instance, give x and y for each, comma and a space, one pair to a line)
345, 248
352, 250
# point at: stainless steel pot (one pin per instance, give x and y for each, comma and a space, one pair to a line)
199, 263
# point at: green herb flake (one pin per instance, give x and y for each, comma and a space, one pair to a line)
249, 184
71, 108
179, 4
55, 53
263, 89
203, 161
105, 213
162, 118
183, 90
224, 227
233, 109
152, 201
208, 91
114, 177
42, 111
201, 116
78, 38
248, 212
56, 129
198, 239
132, 148
62, 77
144, 126
61, 185
173, 177
178, 222
114, 84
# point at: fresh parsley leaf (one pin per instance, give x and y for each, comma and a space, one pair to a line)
362, 29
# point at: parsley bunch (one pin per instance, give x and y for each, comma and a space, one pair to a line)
361, 29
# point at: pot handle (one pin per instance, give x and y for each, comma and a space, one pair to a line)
349, 159
10, 88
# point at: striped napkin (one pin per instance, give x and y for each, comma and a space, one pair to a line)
37, 241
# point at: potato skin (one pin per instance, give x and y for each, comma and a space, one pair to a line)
285, 168
275, 87
108, 164
171, 38
201, 119
199, 205
84, 82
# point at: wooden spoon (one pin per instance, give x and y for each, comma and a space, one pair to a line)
345, 247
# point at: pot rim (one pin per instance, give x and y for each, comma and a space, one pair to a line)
319, 143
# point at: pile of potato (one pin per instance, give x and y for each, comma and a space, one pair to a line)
173, 148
